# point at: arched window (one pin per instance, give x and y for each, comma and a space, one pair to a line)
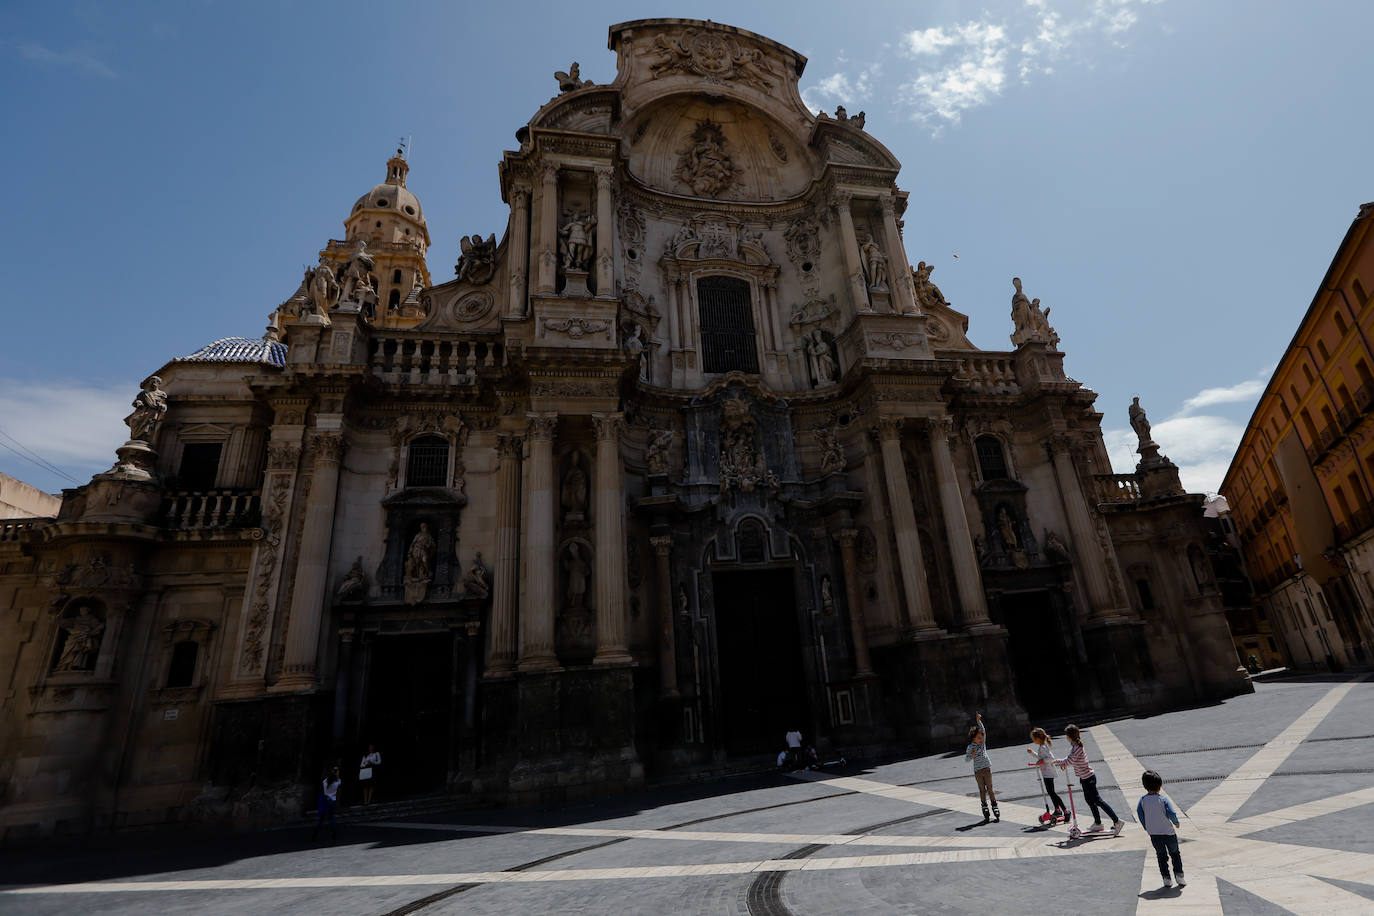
751, 546
992, 464
396, 275
727, 325
427, 465
394, 300
182, 671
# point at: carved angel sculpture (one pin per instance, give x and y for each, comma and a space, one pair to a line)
571, 80
477, 262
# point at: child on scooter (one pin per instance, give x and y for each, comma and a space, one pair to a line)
1044, 759
1088, 780
982, 767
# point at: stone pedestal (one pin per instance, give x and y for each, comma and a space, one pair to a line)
575, 284
137, 461
881, 299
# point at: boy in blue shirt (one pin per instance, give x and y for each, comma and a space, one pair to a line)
982, 767
1159, 819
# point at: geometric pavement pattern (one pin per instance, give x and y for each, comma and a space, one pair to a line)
1219, 849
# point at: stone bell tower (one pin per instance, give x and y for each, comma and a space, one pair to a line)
390, 221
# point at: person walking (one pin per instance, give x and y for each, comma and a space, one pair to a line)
1160, 821
367, 772
1088, 780
329, 800
1044, 759
982, 767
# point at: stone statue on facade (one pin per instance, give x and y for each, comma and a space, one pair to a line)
575, 240
742, 464
356, 276
475, 582
567, 82
477, 263
82, 643
827, 596
1140, 423
1032, 325
684, 609
635, 346
656, 454
874, 262
575, 491
822, 360
704, 165
150, 405
1055, 546
354, 585
1007, 529
928, 295
419, 565
321, 289
832, 453
577, 569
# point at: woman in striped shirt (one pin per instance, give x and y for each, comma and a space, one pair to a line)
1088, 779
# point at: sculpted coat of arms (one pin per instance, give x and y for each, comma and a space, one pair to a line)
704, 165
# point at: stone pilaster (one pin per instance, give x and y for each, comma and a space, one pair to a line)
548, 230
863, 665
849, 242
541, 549
667, 638
519, 249
605, 233
610, 541
903, 517
903, 292
968, 579
300, 665
501, 650
1093, 559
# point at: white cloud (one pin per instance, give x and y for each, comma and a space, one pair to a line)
74, 425
972, 74
1247, 390
842, 89
929, 41
1201, 446
81, 61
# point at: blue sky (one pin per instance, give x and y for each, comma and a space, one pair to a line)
1171, 177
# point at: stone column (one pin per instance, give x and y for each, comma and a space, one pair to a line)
973, 605
853, 268
610, 541
519, 249
506, 578
1092, 559
548, 231
898, 266
667, 637
863, 666
312, 569
605, 233
903, 516
541, 550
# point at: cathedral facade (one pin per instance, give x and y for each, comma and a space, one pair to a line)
691, 455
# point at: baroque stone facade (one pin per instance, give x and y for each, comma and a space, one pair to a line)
690, 456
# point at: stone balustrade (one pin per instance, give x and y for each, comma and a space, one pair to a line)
13, 530
1116, 488
416, 360
191, 509
989, 373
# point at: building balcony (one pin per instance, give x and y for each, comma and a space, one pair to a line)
405, 358
188, 510
1116, 488
14, 530
1358, 523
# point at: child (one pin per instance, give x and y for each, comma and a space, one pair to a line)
1088, 780
982, 767
329, 800
1044, 759
1159, 819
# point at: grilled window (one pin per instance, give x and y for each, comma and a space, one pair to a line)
991, 461
199, 465
727, 325
427, 465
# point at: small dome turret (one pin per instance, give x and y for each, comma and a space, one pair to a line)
390, 212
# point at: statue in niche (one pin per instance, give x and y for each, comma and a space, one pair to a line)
150, 405
354, 585
575, 491
477, 263
827, 596
656, 453
1140, 423
1006, 527
823, 368
475, 582
578, 571
572, 80
82, 642
742, 464
419, 565
357, 275
635, 346
575, 240
321, 289
874, 262
683, 603
704, 165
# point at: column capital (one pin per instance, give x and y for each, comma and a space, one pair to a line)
542, 427
609, 426
520, 194
942, 427
510, 446
328, 446
282, 456
841, 198
605, 175
662, 545
888, 428
548, 174
888, 205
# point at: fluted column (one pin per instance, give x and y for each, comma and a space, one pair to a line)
501, 646
610, 541
853, 267
1092, 559
900, 268
667, 636
968, 579
904, 527
605, 233
858, 630
299, 669
519, 249
548, 230
541, 550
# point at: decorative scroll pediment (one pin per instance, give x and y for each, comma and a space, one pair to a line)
719, 237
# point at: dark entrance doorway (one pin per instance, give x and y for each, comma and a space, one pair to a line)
762, 680
409, 710
1038, 653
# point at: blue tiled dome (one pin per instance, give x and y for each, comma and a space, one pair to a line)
239, 350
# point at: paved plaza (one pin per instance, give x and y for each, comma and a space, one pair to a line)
1277, 786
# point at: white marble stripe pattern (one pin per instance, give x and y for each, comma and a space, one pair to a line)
1294, 813
1300, 894
1016, 814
